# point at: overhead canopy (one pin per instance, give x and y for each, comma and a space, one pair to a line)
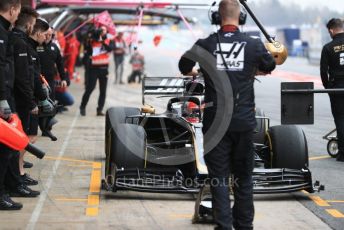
121, 3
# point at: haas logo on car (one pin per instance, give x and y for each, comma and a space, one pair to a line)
233, 54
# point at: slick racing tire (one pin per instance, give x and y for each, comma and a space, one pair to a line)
115, 116
128, 146
289, 147
262, 126
332, 148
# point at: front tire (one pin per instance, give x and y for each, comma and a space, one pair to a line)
288, 147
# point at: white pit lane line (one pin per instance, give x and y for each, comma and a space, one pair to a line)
43, 196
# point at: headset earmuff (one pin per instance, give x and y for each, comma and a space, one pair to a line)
242, 18
215, 18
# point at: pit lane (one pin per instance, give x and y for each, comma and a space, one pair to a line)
70, 174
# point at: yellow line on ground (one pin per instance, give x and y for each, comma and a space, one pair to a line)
66, 159
72, 199
319, 158
304, 191
92, 211
180, 216
335, 201
80, 166
319, 201
95, 181
97, 165
93, 200
335, 213
93, 197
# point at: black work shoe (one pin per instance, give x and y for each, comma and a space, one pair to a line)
340, 157
27, 165
27, 180
100, 114
49, 134
7, 204
82, 112
23, 191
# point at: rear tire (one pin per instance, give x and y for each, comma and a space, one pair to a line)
289, 147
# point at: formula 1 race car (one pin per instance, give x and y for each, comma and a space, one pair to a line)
151, 152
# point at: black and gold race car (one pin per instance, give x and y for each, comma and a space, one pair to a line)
163, 152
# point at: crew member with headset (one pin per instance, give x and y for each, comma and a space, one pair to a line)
332, 76
100, 58
234, 152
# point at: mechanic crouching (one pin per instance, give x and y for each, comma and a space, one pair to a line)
234, 154
332, 76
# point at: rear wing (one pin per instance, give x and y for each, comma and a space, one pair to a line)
162, 86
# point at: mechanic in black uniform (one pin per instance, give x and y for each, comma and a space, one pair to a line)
332, 76
234, 153
9, 10
36, 38
24, 82
51, 63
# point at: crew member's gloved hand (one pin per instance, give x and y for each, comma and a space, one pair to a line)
46, 90
46, 105
63, 84
5, 110
34, 111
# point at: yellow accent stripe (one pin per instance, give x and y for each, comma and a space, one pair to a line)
319, 158
270, 144
93, 200
71, 199
95, 181
335, 213
92, 211
319, 201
